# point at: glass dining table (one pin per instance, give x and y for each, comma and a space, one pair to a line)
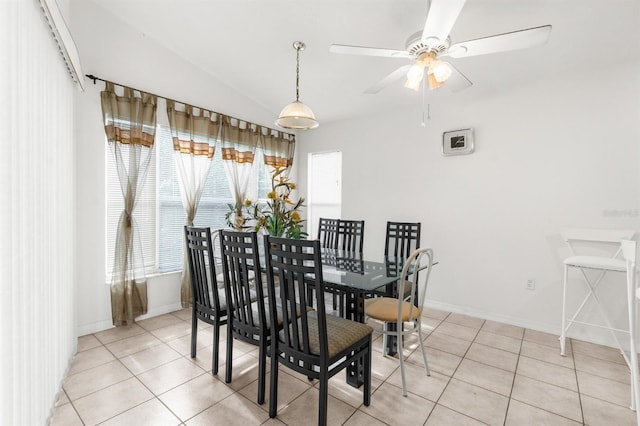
355, 279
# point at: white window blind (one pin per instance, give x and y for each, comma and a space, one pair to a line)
324, 190
159, 212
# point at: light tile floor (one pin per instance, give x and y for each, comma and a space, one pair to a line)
483, 372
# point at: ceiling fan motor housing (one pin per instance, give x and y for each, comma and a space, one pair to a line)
415, 46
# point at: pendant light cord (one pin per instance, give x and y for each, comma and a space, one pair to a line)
297, 73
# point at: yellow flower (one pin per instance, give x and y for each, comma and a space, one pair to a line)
295, 216
247, 203
271, 195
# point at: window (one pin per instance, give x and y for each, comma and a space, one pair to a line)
324, 189
159, 213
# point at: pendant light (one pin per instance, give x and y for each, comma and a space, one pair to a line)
297, 115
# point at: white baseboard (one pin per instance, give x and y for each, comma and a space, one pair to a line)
597, 336
107, 324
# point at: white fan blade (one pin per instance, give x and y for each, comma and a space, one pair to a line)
441, 17
457, 81
522, 39
368, 51
395, 75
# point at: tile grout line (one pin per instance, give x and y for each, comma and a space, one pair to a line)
513, 382
575, 371
454, 372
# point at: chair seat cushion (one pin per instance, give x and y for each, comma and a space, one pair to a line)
596, 262
341, 333
386, 309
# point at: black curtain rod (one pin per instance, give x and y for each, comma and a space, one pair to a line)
94, 78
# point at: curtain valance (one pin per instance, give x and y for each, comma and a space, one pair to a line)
193, 130
133, 106
279, 149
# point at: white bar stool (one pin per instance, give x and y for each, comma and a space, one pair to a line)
603, 264
629, 249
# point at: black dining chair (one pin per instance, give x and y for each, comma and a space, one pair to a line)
209, 303
402, 239
350, 238
311, 343
328, 232
328, 237
350, 235
247, 318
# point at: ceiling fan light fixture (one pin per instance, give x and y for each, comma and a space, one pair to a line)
412, 84
414, 77
297, 115
441, 71
433, 83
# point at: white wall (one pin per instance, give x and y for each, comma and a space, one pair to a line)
114, 51
553, 154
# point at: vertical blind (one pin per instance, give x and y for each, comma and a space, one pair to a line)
37, 216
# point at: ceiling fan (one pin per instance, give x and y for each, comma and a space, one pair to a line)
426, 47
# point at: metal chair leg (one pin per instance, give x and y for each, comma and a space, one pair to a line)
424, 353
563, 336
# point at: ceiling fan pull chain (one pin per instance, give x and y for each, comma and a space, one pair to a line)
423, 103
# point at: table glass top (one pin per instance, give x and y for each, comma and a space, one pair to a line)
351, 270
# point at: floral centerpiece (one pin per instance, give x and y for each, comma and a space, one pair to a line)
279, 217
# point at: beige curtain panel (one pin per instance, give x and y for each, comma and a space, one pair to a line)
278, 149
239, 142
130, 125
194, 132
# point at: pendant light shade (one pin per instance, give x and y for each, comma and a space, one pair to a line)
297, 115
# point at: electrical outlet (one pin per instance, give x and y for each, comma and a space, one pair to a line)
531, 284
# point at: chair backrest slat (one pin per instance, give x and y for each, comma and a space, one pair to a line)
296, 264
240, 257
201, 262
350, 235
328, 232
402, 239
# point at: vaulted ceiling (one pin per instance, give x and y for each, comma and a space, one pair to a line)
248, 45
